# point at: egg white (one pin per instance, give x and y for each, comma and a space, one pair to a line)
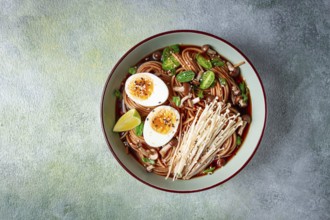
158, 96
152, 137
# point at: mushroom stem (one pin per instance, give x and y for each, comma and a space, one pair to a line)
183, 89
173, 143
199, 75
196, 100
190, 104
150, 168
178, 88
184, 99
211, 52
164, 150
142, 150
236, 90
123, 107
124, 135
239, 64
241, 129
153, 154
242, 103
230, 66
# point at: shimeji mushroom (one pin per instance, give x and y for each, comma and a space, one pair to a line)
209, 98
233, 71
150, 168
241, 102
156, 55
184, 89
196, 100
153, 155
185, 98
205, 48
169, 145
235, 90
246, 120
199, 76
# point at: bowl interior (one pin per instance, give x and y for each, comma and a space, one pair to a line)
249, 145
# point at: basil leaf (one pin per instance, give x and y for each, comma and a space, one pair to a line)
147, 160
170, 63
217, 62
203, 62
132, 70
245, 97
242, 87
139, 129
209, 170
176, 100
207, 79
200, 94
185, 76
238, 140
172, 72
222, 81
175, 48
118, 94
167, 52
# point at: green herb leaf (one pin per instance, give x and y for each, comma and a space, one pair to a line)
213, 84
242, 87
209, 170
185, 76
170, 63
118, 94
167, 52
147, 160
217, 62
245, 97
238, 140
222, 81
176, 100
207, 79
132, 70
200, 94
172, 72
139, 129
203, 62
175, 48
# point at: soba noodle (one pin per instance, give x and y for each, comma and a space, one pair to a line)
223, 102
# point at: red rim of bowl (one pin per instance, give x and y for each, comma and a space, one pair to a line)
171, 32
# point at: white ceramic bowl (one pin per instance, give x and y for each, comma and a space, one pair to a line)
250, 144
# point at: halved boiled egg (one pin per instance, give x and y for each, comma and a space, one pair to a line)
161, 125
146, 89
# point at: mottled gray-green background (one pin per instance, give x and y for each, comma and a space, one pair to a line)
55, 57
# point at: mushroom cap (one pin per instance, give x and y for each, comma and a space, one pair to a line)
209, 98
186, 87
205, 47
246, 118
235, 72
150, 168
174, 142
236, 90
241, 102
153, 154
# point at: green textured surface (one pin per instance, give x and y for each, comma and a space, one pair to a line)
55, 57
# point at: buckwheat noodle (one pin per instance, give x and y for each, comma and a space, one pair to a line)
165, 158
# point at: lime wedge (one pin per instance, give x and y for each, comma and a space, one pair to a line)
128, 121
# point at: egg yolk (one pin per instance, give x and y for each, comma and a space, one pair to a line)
163, 121
141, 87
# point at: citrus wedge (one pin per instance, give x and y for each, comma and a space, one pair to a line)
128, 121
